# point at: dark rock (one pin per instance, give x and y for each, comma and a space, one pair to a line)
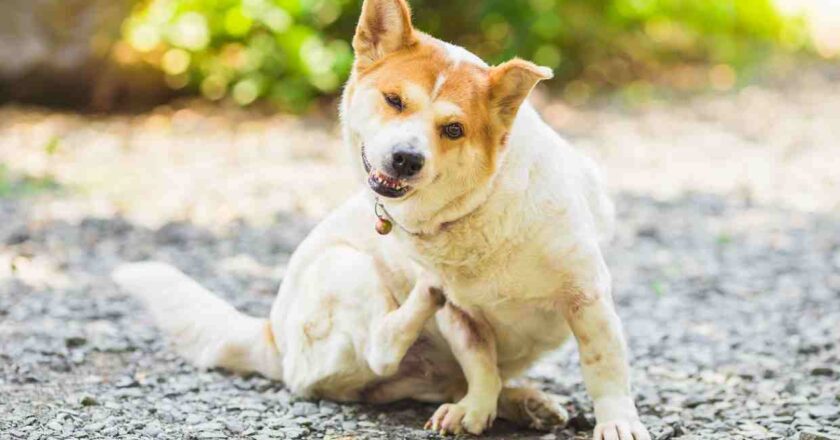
581, 422
822, 371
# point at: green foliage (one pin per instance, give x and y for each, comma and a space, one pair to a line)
248, 49
294, 50
16, 186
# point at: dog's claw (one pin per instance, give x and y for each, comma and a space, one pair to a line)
454, 419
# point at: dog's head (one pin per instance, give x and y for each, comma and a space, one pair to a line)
428, 120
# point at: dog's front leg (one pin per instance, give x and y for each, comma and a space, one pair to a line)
603, 355
394, 333
472, 342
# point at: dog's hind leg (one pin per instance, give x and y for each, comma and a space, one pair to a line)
531, 408
395, 332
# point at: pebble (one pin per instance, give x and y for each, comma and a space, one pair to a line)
209, 426
195, 419
808, 435
824, 411
153, 430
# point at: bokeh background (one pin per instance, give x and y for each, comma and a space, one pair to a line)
204, 133
291, 52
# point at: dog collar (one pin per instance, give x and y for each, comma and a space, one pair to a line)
385, 222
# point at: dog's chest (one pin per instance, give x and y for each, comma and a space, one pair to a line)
513, 287
524, 331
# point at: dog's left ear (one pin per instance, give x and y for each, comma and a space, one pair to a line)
384, 27
510, 83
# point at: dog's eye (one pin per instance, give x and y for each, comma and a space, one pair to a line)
394, 101
453, 130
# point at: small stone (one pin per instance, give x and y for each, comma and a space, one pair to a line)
75, 341
580, 422
94, 427
209, 426
822, 371
17, 237
809, 435
295, 432
234, 426
249, 414
194, 419
126, 382
304, 409
152, 430
824, 411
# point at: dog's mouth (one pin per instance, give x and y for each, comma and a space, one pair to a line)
382, 183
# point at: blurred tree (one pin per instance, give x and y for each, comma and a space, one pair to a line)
292, 51
58, 52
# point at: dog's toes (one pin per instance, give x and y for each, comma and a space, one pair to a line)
451, 423
621, 430
455, 418
436, 422
544, 413
532, 408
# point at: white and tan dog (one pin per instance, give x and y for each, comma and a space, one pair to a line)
494, 258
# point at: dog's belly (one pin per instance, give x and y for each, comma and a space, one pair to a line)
428, 373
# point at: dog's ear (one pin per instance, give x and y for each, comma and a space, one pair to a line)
510, 84
384, 27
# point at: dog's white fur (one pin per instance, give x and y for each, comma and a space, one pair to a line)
359, 316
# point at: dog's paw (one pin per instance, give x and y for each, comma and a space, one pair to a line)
621, 430
455, 418
543, 413
531, 408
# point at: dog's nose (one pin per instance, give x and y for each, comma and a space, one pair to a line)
406, 161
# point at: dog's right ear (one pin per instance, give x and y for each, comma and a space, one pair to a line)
384, 27
510, 83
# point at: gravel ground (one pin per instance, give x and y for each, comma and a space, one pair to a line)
727, 282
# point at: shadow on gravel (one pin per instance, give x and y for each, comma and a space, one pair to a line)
731, 312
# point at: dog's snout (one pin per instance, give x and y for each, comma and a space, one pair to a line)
406, 161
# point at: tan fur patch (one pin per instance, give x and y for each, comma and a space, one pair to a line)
268, 333
592, 359
577, 300
469, 328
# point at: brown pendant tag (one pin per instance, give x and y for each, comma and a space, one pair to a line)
384, 226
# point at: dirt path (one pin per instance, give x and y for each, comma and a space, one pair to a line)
726, 266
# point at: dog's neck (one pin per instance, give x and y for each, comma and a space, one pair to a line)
428, 224
437, 218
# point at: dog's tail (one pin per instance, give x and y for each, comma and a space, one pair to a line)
204, 329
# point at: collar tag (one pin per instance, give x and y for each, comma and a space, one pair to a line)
384, 225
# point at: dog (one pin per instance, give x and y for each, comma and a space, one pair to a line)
473, 247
